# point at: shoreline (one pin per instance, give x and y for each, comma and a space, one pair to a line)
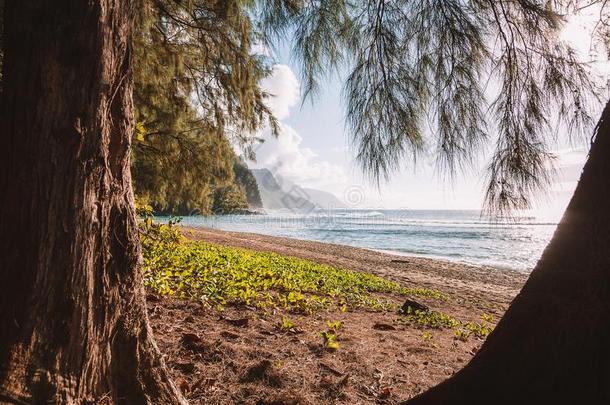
447, 259
280, 353
494, 285
451, 235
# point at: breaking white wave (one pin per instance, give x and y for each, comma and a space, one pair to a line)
463, 236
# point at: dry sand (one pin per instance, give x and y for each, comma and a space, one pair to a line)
242, 356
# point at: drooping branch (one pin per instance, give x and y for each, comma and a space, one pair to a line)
447, 77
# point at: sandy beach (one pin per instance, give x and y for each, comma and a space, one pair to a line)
240, 355
469, 283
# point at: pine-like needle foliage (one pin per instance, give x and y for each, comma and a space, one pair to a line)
196, 93
444, 76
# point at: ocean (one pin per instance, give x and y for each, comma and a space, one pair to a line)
463, 236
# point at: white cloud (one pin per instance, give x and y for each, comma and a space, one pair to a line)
579, 33
285, 155
284, 89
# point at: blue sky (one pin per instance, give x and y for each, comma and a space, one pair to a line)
313, 151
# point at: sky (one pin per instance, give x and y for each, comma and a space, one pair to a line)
313, 150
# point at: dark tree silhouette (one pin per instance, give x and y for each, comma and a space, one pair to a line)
73, 323
551, 346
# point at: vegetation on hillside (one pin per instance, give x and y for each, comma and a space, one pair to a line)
241, 196
229, 199
245, 178
197, 95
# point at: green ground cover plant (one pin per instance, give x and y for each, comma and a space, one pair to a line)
223, 275
219, 275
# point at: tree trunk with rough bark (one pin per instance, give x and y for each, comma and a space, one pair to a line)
73, 323
553, 344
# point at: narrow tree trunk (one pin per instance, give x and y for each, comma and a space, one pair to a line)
73, 324
553, 344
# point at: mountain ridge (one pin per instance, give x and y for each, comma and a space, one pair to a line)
280, 193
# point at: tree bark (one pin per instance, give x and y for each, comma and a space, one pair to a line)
73, 323
553, 344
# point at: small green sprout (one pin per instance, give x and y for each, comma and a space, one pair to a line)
335, 326
427, 336
330, 340
287, 324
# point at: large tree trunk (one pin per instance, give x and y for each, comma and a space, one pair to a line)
553, 344
73, 324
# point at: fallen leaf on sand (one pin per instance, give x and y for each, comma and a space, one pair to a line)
191, 341
331, 370
383, 326
242, 323
385, 392
188, 368
182, 385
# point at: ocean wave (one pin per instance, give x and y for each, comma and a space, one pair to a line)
477, 223
356, 214
420, 223
458, 236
